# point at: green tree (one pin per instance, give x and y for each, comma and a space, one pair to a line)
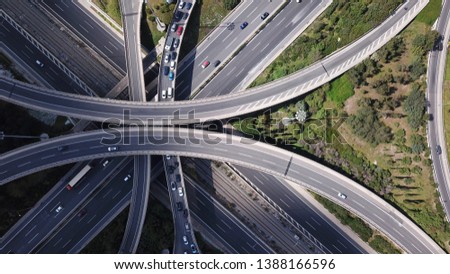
230, 4
365, 124
415, 106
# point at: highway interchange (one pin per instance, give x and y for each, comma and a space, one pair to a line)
86, 145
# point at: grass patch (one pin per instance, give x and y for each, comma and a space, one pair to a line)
340, 24
110, 7
341, 89
430, 13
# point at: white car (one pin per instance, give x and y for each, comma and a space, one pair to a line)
58, 209
172, 64
166, 58
163, 94
39, 63
127, 178
105, 162
113, 148
173, 186
185, 240
180, 191
173, 28
342, 195
181, 5
170, 92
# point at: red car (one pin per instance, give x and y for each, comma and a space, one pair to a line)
205, 64
180, 30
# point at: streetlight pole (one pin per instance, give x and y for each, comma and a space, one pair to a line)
3, 136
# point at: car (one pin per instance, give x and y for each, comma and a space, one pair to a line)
244, 25
179, 206
59, 208
105, 163
39, 63
166, 70
187, 226
176, 42
438, 150
180, 30
173, 28
163, 94
173, 55
169, 91
299, 1
166, 58
128, 177
173, 186
264, 15
185, 16
62, 148
216, 63
178, 15
342, 195
113, 148
82, 212
185, 213
171, 170
180, 191
205, 64
172, 64
178, 178
181, 5
188, 6
168, 157
171, 76
185, 240
193, 248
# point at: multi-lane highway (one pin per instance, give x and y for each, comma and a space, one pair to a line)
436, 135
74, 16
219, 107
237, 150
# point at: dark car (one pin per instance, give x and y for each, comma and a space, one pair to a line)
185, 213
166, 70
173, 55
179, 206
82, 212
244, 25
438, 150
178, 15
193, 248
62, 148
185, 16
188, 6
216, 63
264, 15
178, 178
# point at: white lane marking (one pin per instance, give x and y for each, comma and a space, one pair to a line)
24, 164
57, 242
378, 217
337, 248
92, 218
231, 43
33, 237
281, 200
48, 156
67, 243
111, 44
83, 28
108, 49
315, 221
87, 23
341, 243
317, 181
59, 7
310, 225
359, 204
29, 231
26, 54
